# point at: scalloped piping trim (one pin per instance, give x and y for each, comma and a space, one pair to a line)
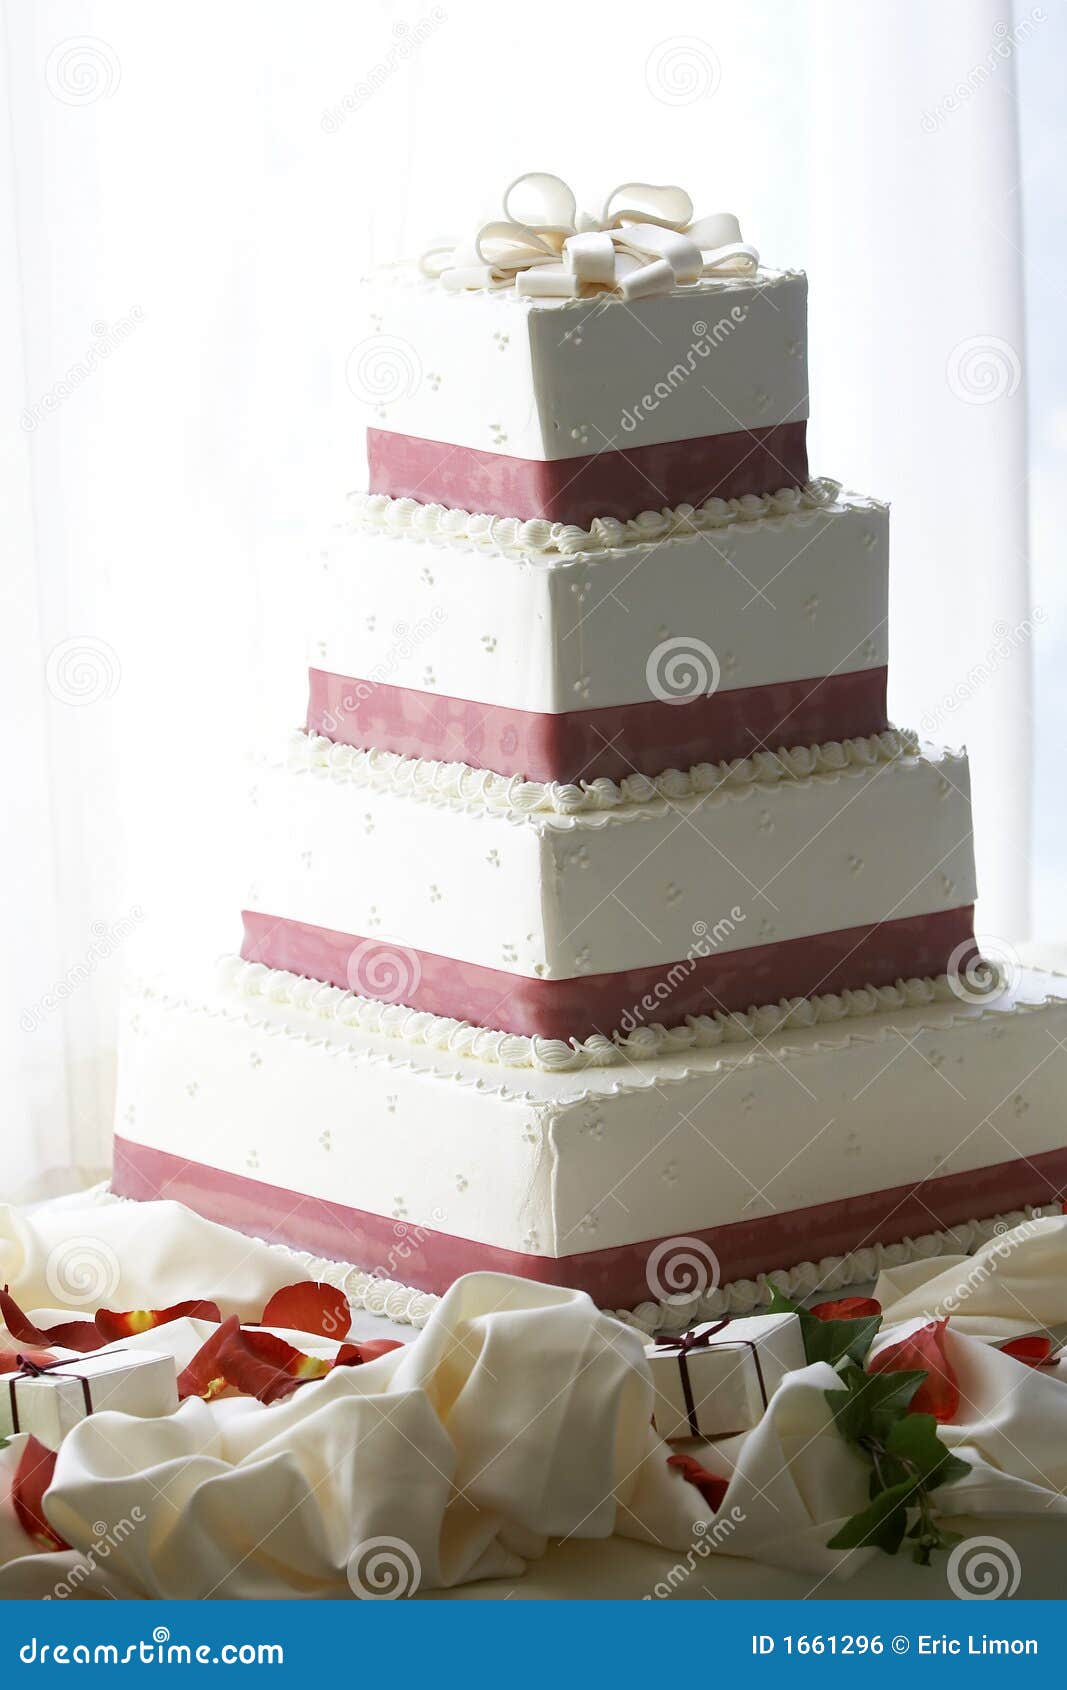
249, 981
541, 538
408, 1307
839, 1036
459, 784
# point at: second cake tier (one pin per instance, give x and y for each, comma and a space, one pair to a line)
564, 654
562, 912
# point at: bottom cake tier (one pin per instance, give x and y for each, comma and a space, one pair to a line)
298, 1113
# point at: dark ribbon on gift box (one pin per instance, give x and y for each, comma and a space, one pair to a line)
29, 1369
689, 1341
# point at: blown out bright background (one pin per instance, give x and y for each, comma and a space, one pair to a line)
186, 203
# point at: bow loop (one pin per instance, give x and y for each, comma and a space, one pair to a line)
540, 202
644, 202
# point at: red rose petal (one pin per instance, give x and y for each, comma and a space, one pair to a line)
309, 1307
711, 1487
354, 1355
1034, 1350
939, 1393
11, 1360
33, 1475
258, 1364
80, 1335
847, 1308
204, 1377
128, 1325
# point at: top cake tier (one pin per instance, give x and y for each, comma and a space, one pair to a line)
585, 408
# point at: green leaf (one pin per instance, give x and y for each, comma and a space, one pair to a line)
871, 1404
914, 1439
881, 1525
830, 1340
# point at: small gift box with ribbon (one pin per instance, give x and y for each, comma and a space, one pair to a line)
49, 1398
717, 1379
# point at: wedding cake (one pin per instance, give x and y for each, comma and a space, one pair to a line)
603, 930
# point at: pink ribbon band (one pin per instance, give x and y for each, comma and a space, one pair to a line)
616, 482
612, 742
852, 957
615, 1277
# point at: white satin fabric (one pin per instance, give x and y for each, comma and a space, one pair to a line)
519, 1415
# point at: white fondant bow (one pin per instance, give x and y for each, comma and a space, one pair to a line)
644, 242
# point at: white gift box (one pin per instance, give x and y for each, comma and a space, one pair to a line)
718, 1378
49, 1401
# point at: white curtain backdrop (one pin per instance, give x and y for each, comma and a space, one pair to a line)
187, 205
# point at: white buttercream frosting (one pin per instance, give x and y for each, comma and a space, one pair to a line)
543, 539
253, 980
462, 785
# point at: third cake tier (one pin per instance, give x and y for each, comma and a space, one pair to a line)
562, 911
